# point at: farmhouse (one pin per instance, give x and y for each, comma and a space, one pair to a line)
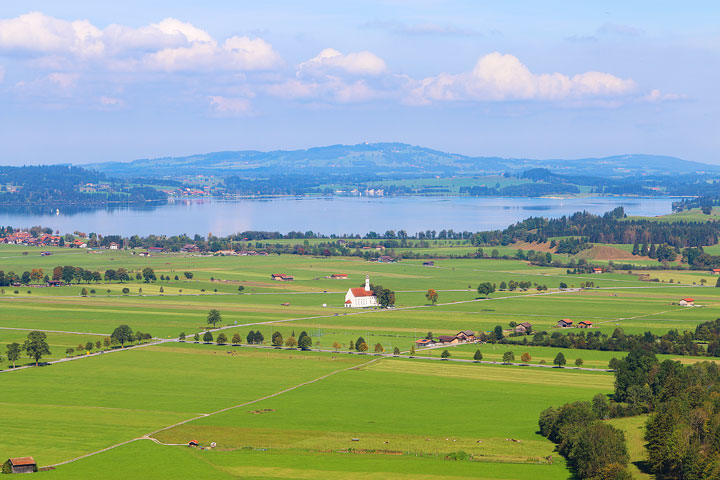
465, 336
564, 323
524, 327
687, 302
585, 324
155, 249
448, 339
386, 259
361, 297
339, 276
21, 465
113, 246
424, 342
281, 277
715, 271
597, 270
190, 248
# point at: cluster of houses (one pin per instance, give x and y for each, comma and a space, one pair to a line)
189, 192
46, 240
464, 336
26, 238
567, 323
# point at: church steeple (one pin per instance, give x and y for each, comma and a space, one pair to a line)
367, 283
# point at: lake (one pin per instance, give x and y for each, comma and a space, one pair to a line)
329, 215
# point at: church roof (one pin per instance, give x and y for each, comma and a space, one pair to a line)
361, 292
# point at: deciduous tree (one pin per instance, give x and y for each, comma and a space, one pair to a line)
36, 346
122, 334
214, 317
13, 351
485, 289
432, 296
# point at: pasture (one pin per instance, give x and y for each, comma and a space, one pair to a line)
410, 416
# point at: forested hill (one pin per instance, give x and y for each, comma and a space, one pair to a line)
63, 185
390, 159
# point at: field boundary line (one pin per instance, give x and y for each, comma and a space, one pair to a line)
148, 436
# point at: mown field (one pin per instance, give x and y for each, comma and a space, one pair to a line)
409, 415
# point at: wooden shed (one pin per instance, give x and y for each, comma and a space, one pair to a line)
20, 465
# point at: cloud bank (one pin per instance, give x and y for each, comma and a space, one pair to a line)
239, 70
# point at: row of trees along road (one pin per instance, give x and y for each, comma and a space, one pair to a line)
36, 347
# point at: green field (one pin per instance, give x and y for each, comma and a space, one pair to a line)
409, 415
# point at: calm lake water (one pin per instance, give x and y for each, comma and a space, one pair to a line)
321, 215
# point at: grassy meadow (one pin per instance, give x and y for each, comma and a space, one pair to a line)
412, 418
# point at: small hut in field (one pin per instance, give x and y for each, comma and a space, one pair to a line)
20, 465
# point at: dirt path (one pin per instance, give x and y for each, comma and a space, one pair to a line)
148, 436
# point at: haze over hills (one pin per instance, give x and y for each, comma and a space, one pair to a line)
391, 159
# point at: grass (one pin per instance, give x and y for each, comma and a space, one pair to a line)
423, 409
408, 415
118, 396
634, 429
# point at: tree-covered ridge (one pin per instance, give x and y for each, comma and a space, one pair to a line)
682, 431
612, 227
42, 185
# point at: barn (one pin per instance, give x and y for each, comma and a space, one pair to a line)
20, 465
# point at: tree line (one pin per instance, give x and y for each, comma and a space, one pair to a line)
704, 341
682, 431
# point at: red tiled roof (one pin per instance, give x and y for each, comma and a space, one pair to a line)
689, 299
361, 292
22, 461
586, 322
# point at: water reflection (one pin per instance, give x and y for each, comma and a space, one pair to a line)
326, 215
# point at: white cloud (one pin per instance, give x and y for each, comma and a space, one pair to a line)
498, 77
40, 34
65, 81
332, 61
170, 45
168, 33
656, 96
236, 53
230, 106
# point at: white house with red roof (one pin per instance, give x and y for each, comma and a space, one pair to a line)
361, 297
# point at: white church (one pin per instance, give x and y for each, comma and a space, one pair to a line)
361, 297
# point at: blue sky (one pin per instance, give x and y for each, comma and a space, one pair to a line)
84, 81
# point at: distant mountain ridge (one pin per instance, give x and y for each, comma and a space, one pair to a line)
390, 159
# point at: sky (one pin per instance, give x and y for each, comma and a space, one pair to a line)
87, 81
